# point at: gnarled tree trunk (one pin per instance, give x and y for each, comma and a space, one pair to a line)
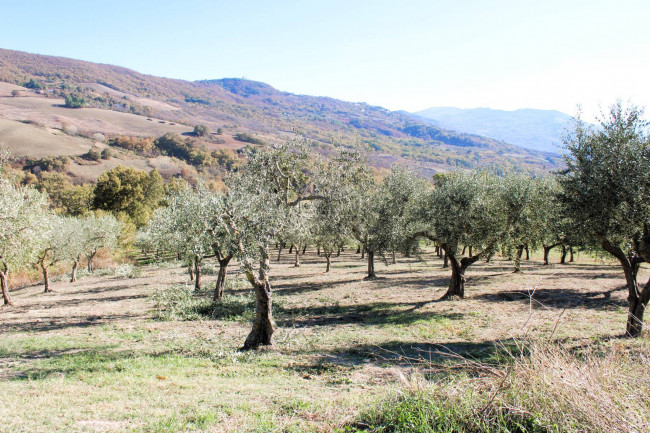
547, 250
221, 277
527, 252
563, 256
458, 268
263, 326
445, 263
637, 298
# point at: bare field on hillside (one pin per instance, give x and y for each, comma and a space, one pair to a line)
36, 142
91, 357
51, 113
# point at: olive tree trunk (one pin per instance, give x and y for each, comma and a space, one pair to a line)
197, 273
4, 276
458, 268
75, 265
221, 277
518, 254
296, 260
563, 256
328, 256
637, 297
46, 279
371, 265
263, 326
547, 250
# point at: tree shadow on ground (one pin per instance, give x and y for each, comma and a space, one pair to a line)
559, 298
64, 322
40, 364
428, 357
373, 314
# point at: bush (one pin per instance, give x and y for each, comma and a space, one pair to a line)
201, 130
93, 155
106, 153
75, 100
247, 138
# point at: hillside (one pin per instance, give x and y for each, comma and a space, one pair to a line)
241, 106
533, 129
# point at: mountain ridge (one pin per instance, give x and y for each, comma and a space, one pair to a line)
531, 128
245, 106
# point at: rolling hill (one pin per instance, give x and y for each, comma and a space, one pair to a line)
533, 129
124, 102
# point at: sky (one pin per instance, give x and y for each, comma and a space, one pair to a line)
402, 55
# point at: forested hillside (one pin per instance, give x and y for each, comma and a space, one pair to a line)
253, 111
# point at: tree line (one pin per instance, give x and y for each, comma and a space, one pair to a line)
288, 195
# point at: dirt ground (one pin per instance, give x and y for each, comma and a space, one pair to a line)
91, 356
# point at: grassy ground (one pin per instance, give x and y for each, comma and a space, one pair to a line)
93, 357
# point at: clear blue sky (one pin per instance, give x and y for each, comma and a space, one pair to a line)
398, 54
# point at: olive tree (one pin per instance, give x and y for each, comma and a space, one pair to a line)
97, 233
60, 245
521, 199
464, 209
257, 210
23, 228
190, 226
606, 190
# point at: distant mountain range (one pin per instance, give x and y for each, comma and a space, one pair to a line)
533, 129
239, 107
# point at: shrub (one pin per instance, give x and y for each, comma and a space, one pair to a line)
106, 153
201, 130
75, 100
247, 138
93, 155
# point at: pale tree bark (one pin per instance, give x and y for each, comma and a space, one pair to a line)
296, 260
75, 265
